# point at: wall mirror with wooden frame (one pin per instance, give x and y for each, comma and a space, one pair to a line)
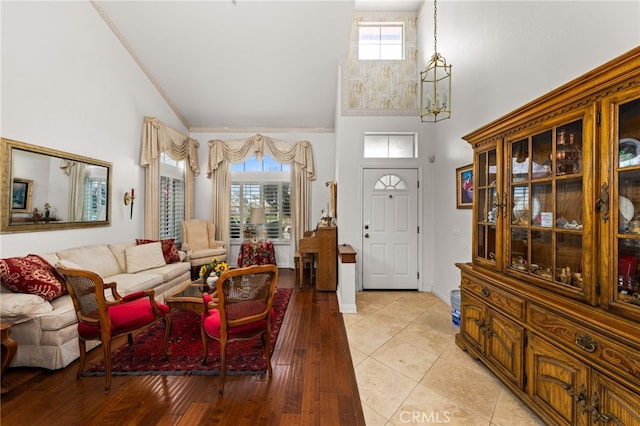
42, 189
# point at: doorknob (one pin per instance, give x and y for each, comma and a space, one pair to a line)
366, 235
366, 227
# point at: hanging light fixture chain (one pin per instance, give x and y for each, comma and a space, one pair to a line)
435, 82
435, 26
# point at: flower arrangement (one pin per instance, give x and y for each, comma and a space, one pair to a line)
216, 267
247, 232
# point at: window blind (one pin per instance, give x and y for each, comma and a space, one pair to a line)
171, 208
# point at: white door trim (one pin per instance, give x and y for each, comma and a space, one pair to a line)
420, 220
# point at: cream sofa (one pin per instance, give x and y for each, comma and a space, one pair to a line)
46, 332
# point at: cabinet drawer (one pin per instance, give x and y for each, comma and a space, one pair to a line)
607, 353
505, 302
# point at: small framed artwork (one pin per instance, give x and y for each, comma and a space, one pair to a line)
464, 187
21, 192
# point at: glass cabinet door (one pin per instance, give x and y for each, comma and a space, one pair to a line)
627, 173
488, 208
545, 187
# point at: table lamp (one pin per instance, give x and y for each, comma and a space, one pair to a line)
258, 219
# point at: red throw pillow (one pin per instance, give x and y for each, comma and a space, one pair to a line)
32, 274
169, 249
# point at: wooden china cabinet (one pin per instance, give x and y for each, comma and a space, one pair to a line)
551, 300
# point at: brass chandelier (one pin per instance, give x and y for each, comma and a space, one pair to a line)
435, 82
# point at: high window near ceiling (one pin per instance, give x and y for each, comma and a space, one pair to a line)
265, 183
382, 67
380, 41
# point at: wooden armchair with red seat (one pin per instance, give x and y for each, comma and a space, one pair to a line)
240, 309
103, 320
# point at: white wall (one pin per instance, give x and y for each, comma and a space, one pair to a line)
350, 164
505, 54
69, 84
323, 147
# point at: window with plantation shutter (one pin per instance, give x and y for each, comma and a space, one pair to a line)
171, 208
265, 184
171, 199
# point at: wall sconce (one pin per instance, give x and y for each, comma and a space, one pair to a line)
128, 198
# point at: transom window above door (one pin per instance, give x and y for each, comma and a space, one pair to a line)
390, 145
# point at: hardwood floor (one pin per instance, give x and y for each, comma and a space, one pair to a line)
313, 383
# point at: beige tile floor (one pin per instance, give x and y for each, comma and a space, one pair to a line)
410, 371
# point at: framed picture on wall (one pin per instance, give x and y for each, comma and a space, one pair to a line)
21, 192
464, 187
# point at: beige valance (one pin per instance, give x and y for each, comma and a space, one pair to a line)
239, 150
298, 154
157, 138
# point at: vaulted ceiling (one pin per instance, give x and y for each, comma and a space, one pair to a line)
237, 64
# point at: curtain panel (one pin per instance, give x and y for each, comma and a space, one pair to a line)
223, 153
157, 138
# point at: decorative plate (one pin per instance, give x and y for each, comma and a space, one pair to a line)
521, 210
535, 208
628, 152
626, 208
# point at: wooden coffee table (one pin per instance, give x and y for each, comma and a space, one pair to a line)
187, 297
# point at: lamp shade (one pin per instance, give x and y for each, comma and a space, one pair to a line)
257, 216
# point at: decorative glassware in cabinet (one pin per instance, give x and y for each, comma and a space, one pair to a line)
541, 155
569, 149
520, 161
519, 213
494, 196
628, 218
486, 243
569, 215
568, 257
542, 204
568, 227
546, 193
520, 249
542, 264
487, 205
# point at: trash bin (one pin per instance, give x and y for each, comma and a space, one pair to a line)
455, 307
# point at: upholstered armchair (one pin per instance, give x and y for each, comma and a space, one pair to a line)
198, 241
103, 319
242, 310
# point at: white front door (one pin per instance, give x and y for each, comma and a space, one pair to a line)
390, 229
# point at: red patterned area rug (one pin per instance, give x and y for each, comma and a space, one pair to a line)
146, 356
